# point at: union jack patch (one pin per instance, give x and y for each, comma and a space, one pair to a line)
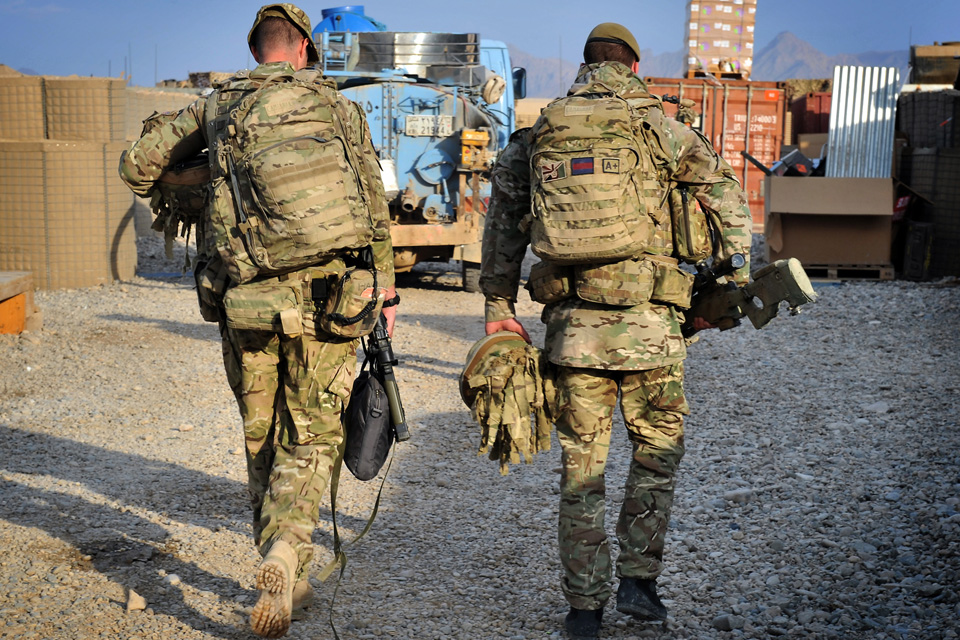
581, 166
550, 171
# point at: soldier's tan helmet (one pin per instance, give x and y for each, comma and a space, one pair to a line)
510, 389
183, 187
493, 89
616, 33
293, 14
481, 353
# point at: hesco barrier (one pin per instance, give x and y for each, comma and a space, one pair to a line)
65, 215
21, 108
142, 103
735, 115
53, 108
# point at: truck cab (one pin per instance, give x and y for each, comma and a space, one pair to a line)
441, 107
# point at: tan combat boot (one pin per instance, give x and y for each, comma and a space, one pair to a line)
302, 598
275, 580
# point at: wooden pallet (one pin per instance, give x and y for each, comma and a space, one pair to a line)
17, 311
835, 272
719, 75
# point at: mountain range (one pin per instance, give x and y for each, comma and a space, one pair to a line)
787, 57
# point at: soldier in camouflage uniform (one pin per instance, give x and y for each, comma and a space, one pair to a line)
291, 390
604, 351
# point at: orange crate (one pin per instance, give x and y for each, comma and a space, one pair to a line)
13, 314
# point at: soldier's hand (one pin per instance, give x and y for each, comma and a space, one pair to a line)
390, 313
510, 324
700, 324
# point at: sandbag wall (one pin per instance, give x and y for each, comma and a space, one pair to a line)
64, 214
930, 165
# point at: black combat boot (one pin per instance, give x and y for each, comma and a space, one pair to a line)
583, 624
638, 597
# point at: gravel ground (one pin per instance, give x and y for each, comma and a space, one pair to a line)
818, 497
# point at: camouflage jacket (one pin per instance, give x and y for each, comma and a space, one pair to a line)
187, 135
583, 334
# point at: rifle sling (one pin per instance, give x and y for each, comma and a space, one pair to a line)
339, 553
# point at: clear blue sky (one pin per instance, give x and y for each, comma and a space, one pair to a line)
169, 39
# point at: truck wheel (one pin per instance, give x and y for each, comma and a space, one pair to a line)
471, 276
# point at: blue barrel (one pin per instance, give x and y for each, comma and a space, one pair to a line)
350, 18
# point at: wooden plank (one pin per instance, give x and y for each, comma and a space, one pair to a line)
837, 272
14, 282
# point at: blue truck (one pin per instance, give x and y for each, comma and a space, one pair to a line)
440, 108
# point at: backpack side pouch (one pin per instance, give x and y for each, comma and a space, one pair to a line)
353, 304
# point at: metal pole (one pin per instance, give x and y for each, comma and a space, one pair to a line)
746, 136
723, 123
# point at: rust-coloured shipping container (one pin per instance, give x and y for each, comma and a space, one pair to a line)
735, 115
811, 113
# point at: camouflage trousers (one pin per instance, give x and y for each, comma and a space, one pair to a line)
291, 393
653, 406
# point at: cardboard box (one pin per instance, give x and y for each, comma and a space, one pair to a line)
811, 144
829, 221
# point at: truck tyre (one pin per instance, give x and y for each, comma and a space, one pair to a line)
471, 276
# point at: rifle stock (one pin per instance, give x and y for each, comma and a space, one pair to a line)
724, 304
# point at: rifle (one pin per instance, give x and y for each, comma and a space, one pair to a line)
380, 353
724, 304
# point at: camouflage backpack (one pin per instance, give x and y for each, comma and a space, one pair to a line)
290, 184
596, 188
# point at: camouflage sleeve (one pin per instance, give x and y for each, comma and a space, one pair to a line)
182, 138
504, 244
716, 188
380, 210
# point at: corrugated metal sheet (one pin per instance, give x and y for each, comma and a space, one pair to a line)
735, 115
862, 122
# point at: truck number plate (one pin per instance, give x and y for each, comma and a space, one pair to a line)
433, 126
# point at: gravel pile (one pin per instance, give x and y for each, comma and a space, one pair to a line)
819, 498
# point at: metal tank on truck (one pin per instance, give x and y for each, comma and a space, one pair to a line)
440, 108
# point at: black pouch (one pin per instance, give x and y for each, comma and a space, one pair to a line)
368, 430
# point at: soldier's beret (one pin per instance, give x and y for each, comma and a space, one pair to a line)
616, 33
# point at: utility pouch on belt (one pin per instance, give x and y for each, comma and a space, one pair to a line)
211, 278
620, 284
353, 304
671, 284
635, 281
549, 282
273, 305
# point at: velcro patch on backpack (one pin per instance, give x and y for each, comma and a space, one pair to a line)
551, 171
581, 166
578, 110
611, 165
